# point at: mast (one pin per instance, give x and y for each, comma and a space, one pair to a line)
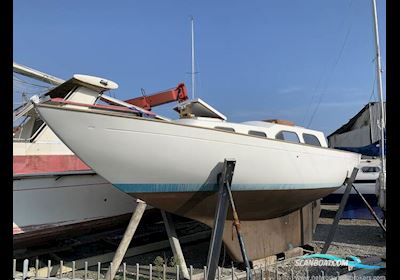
379, 71
193, 72
35, 74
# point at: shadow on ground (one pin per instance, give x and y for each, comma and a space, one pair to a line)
370, 235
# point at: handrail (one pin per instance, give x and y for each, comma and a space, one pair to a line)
100, 106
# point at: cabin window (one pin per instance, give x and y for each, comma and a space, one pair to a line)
311, 139
289, 136
370, 169
257, 133
225, 128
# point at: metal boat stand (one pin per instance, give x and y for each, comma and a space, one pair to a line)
349, 184
224, 197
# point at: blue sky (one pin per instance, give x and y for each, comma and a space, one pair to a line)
256, 59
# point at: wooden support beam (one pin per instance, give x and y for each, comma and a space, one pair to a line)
104, 258
126, 239
175, 245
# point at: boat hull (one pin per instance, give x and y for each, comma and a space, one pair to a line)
144, 155
365, 183
250, 205
366, 189
271, 222
174, 167
53, 204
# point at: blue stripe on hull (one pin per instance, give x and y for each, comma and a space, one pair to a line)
157, 188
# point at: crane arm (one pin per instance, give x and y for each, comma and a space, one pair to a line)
147, 102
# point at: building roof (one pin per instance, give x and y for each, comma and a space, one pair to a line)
349, 125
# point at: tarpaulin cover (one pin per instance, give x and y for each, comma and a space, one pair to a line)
361, 130
372, 150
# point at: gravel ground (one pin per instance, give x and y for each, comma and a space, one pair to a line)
360, 238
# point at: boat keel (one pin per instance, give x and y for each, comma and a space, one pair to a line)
268, 237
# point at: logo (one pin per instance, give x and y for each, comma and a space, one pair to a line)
330, 260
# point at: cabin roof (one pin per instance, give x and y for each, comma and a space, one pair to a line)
278, 121
200, 108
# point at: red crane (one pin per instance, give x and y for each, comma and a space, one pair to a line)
147, 102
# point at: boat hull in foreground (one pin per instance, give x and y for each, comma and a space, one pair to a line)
65, 203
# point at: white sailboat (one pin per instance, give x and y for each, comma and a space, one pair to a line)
173, 165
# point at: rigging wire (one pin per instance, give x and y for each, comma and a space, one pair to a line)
323, 74
332, 70
373, 89
18, 80
315, 91
198, 80
23, 89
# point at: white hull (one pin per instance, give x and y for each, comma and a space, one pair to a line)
148, 156
174, 166
363, 188
367, 175
51, 201
47, 204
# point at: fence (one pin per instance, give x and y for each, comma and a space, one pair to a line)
68, 270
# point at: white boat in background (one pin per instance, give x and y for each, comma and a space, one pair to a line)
173, 165
54, 192
365, 182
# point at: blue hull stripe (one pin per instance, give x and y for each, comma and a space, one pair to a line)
157, 188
